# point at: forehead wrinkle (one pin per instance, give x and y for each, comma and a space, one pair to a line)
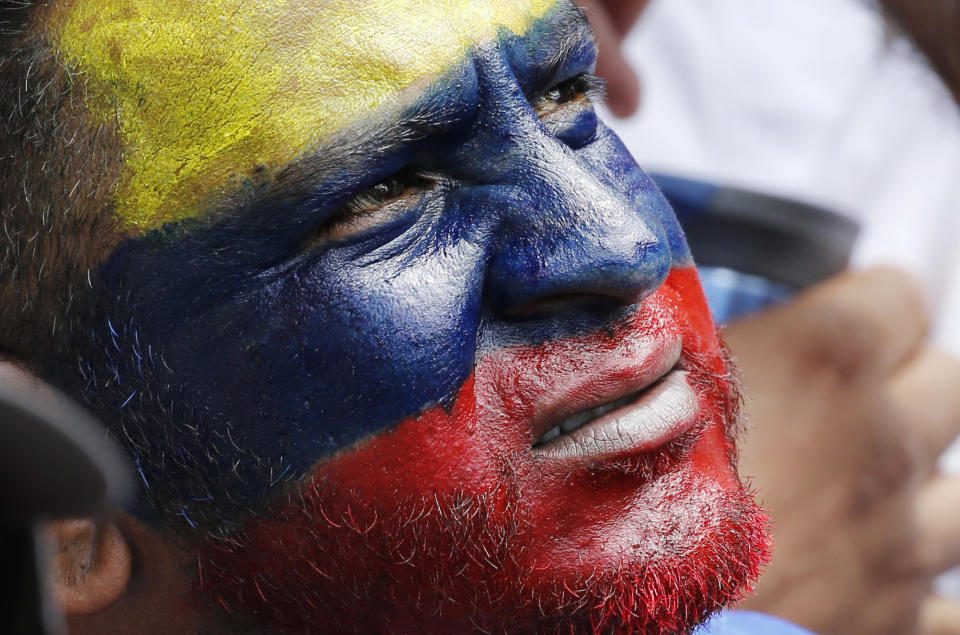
204, 93
322, 177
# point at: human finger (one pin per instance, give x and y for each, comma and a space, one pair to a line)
862, 322
939, 616
927, 389
624, 14
937, 525
623, 85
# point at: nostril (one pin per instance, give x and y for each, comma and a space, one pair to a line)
598, 279
585, 303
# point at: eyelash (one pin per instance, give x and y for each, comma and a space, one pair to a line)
387, 191
361, 212
588, 87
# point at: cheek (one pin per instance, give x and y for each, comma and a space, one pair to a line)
442, 450
483, 439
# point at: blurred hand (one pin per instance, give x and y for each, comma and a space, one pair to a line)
848, 411
612, 21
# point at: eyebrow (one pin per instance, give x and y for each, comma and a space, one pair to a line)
352, 152
572, 37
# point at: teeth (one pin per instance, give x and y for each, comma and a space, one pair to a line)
576, 421
582, 418
551, 434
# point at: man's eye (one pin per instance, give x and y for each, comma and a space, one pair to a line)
380, 195
579, 90
376, 206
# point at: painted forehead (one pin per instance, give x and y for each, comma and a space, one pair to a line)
206, 92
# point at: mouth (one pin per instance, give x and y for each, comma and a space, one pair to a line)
661, 409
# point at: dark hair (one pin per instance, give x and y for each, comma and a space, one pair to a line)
14, 16
57, 170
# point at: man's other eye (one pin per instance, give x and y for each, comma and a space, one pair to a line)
376, 206
581, 90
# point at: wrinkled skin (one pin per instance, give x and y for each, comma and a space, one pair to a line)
334, 366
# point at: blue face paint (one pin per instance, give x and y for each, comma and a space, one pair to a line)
234, 353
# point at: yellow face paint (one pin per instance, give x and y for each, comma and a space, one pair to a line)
206, 91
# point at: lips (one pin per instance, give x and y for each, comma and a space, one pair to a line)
647, 403
653, 418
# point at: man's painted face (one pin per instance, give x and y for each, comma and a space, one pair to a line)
401, 325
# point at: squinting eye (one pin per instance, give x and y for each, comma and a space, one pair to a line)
376, 206
581, 89
380, 195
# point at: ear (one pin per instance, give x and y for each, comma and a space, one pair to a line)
90, 565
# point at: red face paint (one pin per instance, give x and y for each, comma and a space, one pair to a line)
453, 522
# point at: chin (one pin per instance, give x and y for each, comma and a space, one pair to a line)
581, 485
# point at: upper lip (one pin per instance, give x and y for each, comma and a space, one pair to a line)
612, 378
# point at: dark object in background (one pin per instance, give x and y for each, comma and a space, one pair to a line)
55, 462
752, 249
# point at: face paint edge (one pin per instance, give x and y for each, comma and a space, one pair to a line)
209, 113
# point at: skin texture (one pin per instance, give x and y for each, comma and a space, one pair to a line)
76, 590
485, 535
329, 345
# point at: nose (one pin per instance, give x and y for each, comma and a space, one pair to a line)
572, 242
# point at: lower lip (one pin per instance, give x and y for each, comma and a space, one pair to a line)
661, 414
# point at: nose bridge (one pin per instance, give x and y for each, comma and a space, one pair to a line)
572, 202
568, 236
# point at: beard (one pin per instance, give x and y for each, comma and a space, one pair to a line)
332, 556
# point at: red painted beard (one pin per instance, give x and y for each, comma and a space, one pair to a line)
459, 520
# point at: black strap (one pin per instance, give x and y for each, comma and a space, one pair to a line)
782, 240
